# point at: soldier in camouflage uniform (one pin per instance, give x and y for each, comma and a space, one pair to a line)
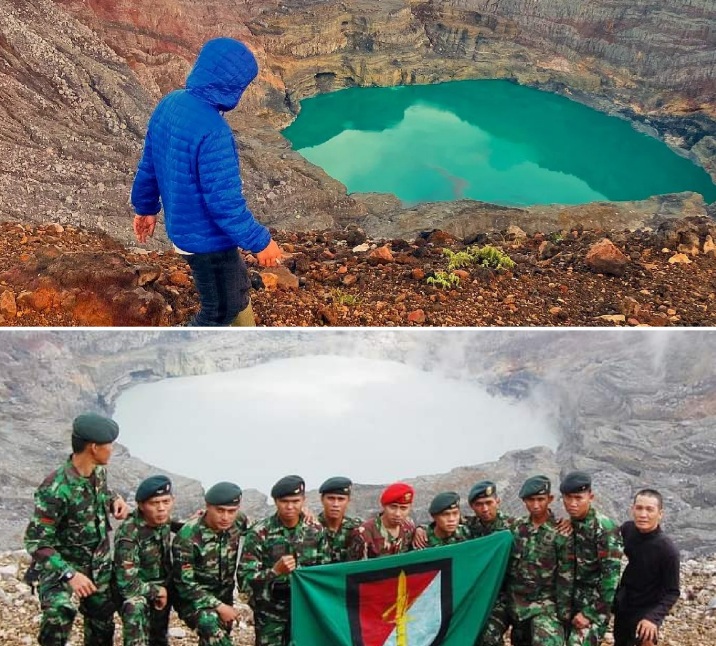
68, 537
205, 551
488, 518
528, 600
391, 532
446, 527
335, 497
143, 565
275, 547
589, 570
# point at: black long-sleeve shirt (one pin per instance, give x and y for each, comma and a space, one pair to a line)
650, 584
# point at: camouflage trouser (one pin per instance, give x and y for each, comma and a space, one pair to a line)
272, 629
209, 627
497, 624
590, 636
540, 630
144, 625
59, 608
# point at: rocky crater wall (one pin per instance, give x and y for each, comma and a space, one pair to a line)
80, 79
635, 410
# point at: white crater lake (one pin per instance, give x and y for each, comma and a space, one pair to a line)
372, 420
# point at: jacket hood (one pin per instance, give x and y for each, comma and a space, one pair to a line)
221, 73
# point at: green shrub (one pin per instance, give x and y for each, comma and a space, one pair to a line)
492, 257
343, 298
443, 279
458, 260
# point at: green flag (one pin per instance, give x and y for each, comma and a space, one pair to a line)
439, 595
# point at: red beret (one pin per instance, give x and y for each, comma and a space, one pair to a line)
399, 493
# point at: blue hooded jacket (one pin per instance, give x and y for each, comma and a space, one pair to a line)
190, 164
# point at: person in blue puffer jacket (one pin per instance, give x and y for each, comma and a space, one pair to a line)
190, 167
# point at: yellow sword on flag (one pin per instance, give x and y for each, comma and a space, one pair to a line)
400, 611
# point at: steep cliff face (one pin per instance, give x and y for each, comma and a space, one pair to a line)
647, 48
634, 409
159, 40
72, 114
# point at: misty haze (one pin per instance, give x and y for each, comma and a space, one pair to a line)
319, 416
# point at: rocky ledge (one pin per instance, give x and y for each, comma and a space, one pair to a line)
66, 276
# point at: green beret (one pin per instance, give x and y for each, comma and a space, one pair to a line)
482, 489
337, 484
95, 428
152, 487
576, 482
444, 501
226, 494
288, 486
536, 486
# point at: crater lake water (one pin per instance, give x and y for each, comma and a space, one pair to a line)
491, 140
373, 420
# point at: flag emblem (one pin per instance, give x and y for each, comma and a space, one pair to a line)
401, 606
440, 596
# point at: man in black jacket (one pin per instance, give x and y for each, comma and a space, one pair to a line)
649, 586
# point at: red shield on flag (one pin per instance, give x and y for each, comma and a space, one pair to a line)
401, 606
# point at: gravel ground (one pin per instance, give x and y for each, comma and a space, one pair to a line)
50, 275
690, 623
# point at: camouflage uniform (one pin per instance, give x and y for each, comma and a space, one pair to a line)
370, 540
142, 564
337, 542
478, 528
588, 575
492, 633
462, 533
69, 530
204, 567
528, 601
270, 595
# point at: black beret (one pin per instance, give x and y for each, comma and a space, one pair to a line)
288, 486
536, 486
576, 482
482, 489
95, 428
226, 494
337, 484
152, 487
444, 501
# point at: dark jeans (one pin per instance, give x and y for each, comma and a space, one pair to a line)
223, 283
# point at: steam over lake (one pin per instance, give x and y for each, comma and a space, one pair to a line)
372, 420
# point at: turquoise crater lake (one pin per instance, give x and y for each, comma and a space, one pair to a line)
485, 140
